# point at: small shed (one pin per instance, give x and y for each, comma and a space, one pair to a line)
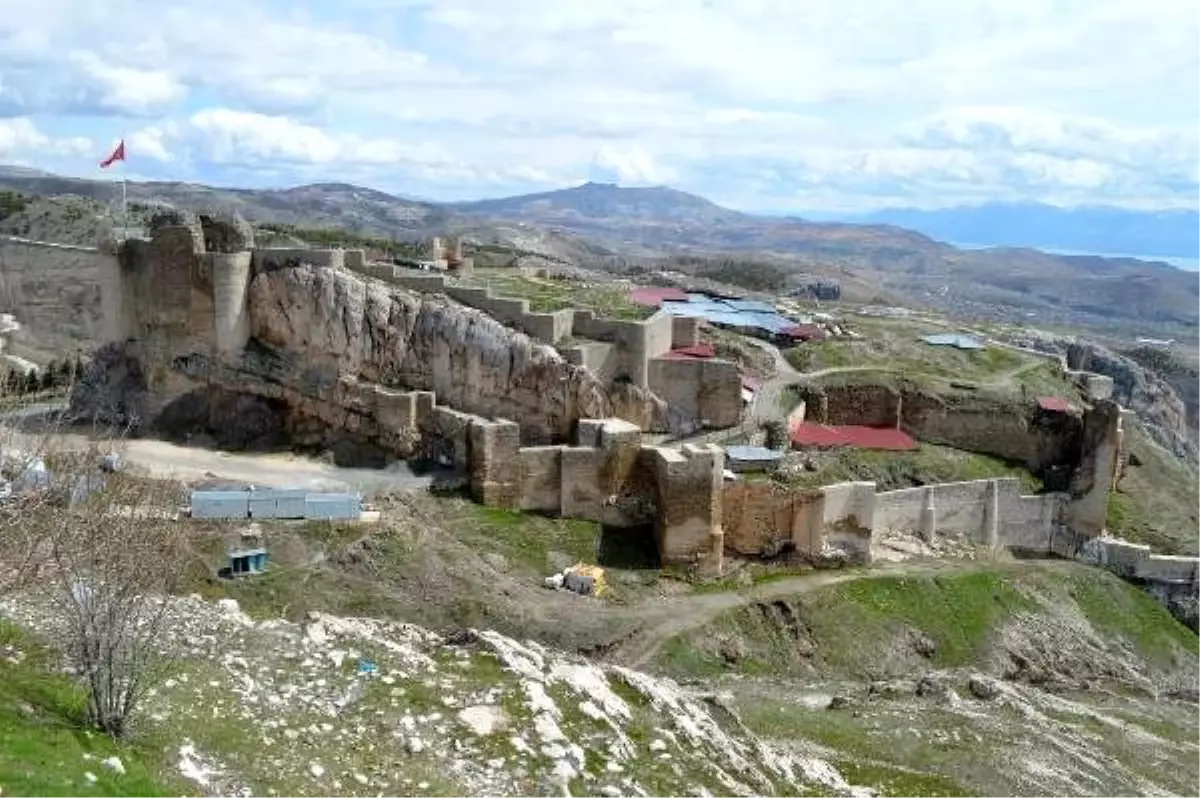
244, 562
740, 459
220, 504
332, 506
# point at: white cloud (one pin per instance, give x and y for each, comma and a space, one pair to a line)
20, 140
776, 103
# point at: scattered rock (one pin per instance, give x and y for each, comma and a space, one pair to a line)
316, 770
89, 776
483, 719
891, 689
983, 688
840, 702
415, 745
496, 560
114, 764
931, 686
732, 650
461, 637
924, 645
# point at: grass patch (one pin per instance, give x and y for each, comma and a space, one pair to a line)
856, 628
875, 750
1118, 608
958, 611
43, 742
547, 295
928, 464
530, 540
1156, 502
893, 781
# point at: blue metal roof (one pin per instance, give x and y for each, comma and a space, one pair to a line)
730, 312
752, 453
953, 339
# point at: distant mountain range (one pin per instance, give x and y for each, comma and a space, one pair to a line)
595, 220
1086, 229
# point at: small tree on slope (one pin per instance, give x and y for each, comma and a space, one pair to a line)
115, 560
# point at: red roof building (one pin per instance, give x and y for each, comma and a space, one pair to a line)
804, 332
696, 352
1054, 404
823, 436
653, 297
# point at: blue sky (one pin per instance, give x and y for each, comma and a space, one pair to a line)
829, 105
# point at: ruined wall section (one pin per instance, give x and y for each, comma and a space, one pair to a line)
1099, 461
700, 394
56, 291
1043, 442
689, 486
1172, 580
766, 519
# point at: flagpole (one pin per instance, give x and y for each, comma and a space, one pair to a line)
124, 210
124, 203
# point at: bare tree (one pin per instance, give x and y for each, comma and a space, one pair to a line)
114, 557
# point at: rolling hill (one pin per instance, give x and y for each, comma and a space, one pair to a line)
1119, 295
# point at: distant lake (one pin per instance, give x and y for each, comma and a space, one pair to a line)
1186, 264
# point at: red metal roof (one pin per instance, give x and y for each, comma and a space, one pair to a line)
804, 332
889, 438
653, 297
1054, 404
703, 351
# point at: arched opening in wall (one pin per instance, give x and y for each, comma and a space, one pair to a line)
631, 548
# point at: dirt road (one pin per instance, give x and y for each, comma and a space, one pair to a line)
187, 463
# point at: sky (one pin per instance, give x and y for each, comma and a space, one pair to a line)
761, 105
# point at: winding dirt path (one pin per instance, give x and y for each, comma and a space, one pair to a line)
675, 616
768, 405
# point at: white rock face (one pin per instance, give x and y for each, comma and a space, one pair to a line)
527, 720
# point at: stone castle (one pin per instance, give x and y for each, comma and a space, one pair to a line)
320, 347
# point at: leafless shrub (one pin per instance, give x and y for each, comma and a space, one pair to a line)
103, 545
114, 557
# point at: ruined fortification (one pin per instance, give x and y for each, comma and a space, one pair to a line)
698, 393
320, 347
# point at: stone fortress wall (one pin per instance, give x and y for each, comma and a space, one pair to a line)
39, 279
700, 393
608, 475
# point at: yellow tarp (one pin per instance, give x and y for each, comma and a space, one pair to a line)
595, 572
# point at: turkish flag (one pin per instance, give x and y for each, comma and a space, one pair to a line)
117, 155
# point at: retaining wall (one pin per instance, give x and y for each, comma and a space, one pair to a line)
1165, 575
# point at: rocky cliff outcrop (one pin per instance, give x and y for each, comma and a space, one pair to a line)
1161, 409
1168, 414
323, 342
